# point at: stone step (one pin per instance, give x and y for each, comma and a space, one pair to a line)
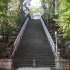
36, 60
34, 40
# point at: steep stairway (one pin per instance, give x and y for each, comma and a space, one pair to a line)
34, 45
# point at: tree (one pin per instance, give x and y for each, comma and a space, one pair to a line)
49, 8
64, 17
3, 15
9, 12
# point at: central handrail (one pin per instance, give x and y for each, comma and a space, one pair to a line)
17, 40
49, 38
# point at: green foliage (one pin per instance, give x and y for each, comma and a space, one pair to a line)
20, 17
11, 18
50, 9
64, 17
9, 15
3, 46
35, 10
47, 1
63, 14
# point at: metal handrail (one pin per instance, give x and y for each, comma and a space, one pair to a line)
54, 50
17, 40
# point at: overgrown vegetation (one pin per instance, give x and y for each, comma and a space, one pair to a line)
63, 10
11, 19
60, 11
49, 8
64, 17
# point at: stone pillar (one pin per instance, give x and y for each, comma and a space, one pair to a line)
62, 64
6, 63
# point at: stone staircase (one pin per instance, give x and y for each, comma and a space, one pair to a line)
34, 45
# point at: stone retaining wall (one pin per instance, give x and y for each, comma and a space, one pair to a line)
6, 63
62, 64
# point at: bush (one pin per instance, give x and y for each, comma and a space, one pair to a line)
3, 46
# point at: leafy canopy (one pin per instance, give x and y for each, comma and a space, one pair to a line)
64, 17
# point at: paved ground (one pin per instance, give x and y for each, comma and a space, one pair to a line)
30, 68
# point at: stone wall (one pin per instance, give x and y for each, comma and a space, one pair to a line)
62, 64
6, 63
